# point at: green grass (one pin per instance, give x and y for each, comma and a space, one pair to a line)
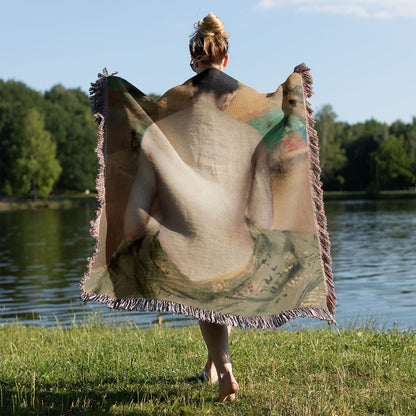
105, 369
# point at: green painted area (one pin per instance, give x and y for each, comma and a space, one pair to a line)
274, 126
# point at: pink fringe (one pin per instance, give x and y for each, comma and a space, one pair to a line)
317, 193
98, 104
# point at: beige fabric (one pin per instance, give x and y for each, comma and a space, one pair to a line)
208, 201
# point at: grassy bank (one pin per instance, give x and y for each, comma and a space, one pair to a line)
106, 370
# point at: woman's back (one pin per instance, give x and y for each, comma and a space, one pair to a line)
203, 164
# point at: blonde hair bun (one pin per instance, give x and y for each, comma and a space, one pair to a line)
211, 25
209, 42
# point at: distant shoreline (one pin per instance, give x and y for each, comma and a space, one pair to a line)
63, 201
66, 201
348, 195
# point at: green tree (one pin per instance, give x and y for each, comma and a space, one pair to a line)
71, 123
394, 164
408, 132
154, 96
16, 92
361, 142
8, 119
332, 154
35, 168
15, 99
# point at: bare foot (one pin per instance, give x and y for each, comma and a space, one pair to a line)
228, 388
209, 374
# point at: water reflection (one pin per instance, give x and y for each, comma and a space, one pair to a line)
43, 257
374, 260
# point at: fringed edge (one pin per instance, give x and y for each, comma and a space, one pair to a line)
98, 105
317, 192
245, 322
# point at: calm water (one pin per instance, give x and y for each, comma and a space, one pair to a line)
43, 257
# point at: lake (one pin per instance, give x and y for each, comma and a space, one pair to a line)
43, 257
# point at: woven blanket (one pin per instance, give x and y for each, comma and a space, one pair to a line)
210, 202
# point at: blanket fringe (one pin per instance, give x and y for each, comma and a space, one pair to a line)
317, 192
98, 105
245, 322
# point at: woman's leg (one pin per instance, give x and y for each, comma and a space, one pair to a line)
209, 374
216, 339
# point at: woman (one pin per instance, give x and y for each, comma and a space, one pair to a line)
209, 205
209, 49
203, 137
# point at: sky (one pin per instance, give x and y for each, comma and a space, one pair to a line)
362, 53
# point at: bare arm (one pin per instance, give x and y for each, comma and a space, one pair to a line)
260, 204
142, 197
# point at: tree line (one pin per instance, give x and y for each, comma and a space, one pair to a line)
367, 156
47, 143
47, 140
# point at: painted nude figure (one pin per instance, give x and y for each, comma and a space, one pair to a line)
219, 170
